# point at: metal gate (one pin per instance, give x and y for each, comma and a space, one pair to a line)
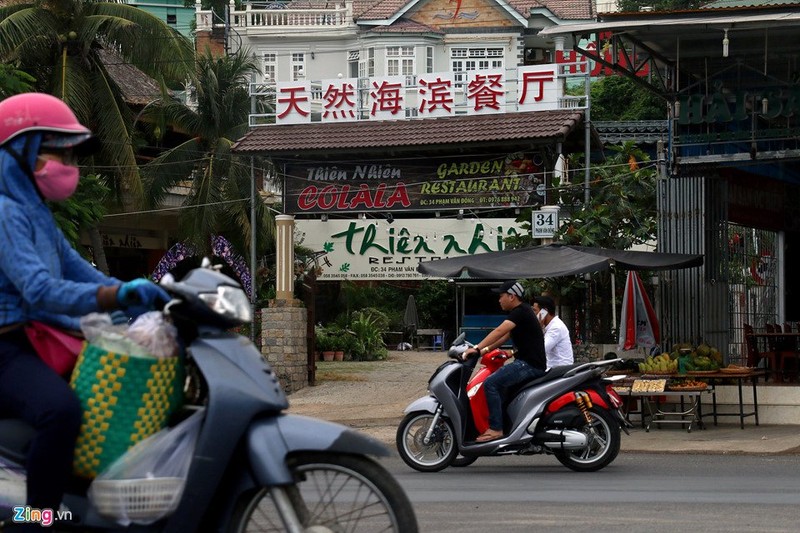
753, 269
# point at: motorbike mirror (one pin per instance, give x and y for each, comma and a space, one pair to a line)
455, 351
458, 340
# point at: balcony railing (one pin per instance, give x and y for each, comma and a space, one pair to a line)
338, 17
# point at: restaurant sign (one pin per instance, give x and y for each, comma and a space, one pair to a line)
513, 180
372, 249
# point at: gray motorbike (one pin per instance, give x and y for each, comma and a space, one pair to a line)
254, 468
572, 412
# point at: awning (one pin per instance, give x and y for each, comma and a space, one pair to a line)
551, 261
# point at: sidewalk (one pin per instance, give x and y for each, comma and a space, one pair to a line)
371, 397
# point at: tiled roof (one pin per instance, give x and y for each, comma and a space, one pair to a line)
569, 9
405, 26
377, 9
419, 133
563, 9
386, 9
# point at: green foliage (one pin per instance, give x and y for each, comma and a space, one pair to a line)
83, 210
622, 210
65, 47
13, 81
619, 98
220, 181
367, 328
435, 304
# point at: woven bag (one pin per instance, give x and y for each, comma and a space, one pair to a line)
124, 399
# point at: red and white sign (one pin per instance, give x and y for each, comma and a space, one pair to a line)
535, 88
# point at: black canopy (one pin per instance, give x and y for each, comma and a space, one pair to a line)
552, 260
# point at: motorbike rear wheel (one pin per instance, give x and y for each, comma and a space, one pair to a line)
603, 446
438, 454
332, 493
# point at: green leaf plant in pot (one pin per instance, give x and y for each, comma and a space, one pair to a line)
324, 343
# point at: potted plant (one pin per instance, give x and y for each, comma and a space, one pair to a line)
324, 343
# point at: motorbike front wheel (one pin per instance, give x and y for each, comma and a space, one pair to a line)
438, 453
604, 443
332, 493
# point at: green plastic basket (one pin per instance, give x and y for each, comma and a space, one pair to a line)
124, 399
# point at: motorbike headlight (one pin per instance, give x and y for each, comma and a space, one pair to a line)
230, 302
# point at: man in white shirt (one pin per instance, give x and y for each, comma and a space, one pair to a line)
557, 344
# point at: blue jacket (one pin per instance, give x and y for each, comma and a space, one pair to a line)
41, 276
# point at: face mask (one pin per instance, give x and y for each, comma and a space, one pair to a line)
56, 181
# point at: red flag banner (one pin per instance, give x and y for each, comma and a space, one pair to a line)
638, 323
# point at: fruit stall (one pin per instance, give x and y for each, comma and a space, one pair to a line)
668, 388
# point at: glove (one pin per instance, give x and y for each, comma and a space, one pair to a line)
141, 293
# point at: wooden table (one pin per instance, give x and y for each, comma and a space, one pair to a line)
716, 377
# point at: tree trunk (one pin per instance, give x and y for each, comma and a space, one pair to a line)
98, 251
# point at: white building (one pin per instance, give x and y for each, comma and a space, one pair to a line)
317, 39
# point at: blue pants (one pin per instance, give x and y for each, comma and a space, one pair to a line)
509, 375
31, 391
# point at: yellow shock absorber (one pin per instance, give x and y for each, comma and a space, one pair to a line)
584, 404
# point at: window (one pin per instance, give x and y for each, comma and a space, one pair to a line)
371, 63
298, 66
172, 16
429, 60
353, 66
400, 61
270, 66
467, 59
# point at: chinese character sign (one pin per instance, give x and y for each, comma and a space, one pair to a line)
535, 88
387, 98
293, 102
486, 92
340, 100
538, 88
436, 95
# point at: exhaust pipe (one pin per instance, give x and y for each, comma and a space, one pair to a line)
565, 439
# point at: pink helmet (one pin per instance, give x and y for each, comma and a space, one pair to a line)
40, 112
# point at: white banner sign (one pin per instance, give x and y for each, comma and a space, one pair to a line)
377, 250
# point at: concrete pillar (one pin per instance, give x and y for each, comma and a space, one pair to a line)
284, 268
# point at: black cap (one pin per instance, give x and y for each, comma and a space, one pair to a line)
545, 302
511, 287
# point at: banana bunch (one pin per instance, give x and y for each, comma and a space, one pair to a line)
660, 364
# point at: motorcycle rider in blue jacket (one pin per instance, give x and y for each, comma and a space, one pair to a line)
43, 278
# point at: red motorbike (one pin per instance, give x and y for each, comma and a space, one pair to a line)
572, 412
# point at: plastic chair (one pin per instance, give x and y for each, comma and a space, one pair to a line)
754, 355
437, 342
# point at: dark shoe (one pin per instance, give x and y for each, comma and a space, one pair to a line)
489, 435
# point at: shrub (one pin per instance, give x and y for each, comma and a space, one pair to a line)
367, 328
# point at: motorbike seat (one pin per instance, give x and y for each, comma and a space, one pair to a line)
550, 375
15, 436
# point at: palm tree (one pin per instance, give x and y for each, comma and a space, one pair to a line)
60, 42
218, 181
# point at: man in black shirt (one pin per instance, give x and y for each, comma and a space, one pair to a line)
529, 362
